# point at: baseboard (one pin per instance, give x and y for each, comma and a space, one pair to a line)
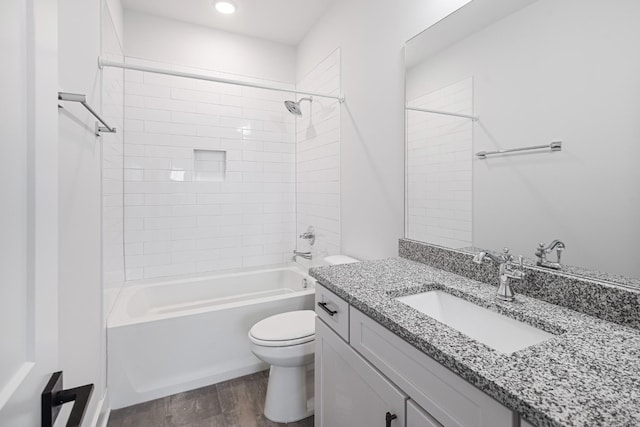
104, 418
100, 417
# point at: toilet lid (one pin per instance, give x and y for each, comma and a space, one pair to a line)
295, 326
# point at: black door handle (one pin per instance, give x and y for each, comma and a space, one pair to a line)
390, 417
53, 397
323, 305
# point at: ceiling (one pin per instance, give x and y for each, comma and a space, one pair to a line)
282, 21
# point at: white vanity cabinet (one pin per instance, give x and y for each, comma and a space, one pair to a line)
349, 391
418, 417
368, 372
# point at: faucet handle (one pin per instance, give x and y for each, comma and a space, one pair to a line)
309, 235
559, 252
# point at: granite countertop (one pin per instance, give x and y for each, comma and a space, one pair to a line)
588, 375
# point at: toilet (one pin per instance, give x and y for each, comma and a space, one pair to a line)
339, 259
286, 341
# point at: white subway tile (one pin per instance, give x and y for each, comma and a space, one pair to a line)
194, 118
131, 100
137, 113
170, 128
195, 96
248, 219
170, 104
169, 270
133, 88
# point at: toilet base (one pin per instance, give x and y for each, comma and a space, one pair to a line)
287, 393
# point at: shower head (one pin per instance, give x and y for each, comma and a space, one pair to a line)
294, 107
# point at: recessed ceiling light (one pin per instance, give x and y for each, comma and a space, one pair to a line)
227, 7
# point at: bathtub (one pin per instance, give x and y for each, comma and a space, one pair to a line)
169, 336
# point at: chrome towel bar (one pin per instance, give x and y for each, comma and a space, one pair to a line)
553, 146
82, 99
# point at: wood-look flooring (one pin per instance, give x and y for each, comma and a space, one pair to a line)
235, 403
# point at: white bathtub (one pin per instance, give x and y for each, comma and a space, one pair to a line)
175, 335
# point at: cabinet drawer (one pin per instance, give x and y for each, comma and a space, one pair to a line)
333, 310
418, 417
444, 395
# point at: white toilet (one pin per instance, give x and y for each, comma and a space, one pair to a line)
286, 341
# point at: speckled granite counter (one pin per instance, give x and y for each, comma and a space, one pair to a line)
588, 375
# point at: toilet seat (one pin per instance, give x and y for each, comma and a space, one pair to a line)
285, 329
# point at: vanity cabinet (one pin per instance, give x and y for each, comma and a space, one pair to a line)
418, 417
362, 375
349, 391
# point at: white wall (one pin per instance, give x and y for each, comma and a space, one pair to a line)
556, 70
13, 215
28, 211
82, 333
371, 35
165, 40
116, 16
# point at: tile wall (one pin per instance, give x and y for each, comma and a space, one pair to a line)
177, 224
318, 160
439, 171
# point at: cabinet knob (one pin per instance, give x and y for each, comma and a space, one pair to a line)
390, 417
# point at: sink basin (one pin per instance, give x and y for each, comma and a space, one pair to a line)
499, 332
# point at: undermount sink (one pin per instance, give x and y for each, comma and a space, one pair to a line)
499, 332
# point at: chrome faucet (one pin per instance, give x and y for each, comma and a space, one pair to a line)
309, 235
508, 271
542, 253
305, 255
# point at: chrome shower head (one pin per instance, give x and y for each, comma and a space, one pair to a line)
294, 107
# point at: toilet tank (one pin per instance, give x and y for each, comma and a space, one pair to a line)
339, 259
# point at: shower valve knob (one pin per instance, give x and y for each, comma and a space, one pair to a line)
309, 235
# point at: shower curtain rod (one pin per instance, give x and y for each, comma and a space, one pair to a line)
446, 113
106, 63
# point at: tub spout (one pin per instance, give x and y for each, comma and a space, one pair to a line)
305, 255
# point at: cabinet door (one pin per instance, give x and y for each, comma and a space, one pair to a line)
349, 391
418, 417
450, 399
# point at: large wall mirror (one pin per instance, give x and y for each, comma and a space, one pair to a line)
559, 76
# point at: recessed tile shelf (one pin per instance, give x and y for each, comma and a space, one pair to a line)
209, 165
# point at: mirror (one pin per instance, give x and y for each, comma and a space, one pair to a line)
533, 73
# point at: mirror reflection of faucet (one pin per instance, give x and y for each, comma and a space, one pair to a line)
507, 271
542, 253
